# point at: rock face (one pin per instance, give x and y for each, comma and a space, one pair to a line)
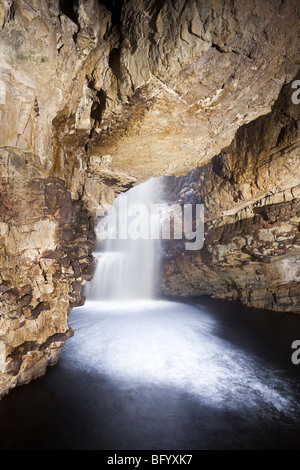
179, 67
45, 246
251, 194
97, 96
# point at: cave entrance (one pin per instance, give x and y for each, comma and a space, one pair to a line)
70, 9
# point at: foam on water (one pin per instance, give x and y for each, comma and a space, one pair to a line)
172, 344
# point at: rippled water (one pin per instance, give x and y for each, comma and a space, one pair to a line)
164, 375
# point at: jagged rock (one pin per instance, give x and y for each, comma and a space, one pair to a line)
96, 99
251, 196
39, 266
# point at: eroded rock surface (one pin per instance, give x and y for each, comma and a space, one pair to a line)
98, 98
251, 194
46, 241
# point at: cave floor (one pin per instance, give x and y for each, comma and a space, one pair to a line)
198, 374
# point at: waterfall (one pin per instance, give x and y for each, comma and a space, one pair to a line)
128, 265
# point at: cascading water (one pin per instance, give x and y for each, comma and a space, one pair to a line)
160, 374
128, 266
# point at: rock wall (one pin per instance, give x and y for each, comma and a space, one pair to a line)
95, 97
46, 235
45, 261
251, 194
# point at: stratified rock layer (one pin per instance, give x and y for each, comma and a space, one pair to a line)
251, 194
45, 246
96, 99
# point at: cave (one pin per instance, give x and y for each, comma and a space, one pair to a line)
179, 328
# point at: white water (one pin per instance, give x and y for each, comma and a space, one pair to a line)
127, 269
180, 346
162, 374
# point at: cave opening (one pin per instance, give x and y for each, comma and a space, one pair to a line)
98, 107
70, 9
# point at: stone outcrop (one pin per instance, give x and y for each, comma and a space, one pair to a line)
251, 194
191, 73
95, 97
46, 241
